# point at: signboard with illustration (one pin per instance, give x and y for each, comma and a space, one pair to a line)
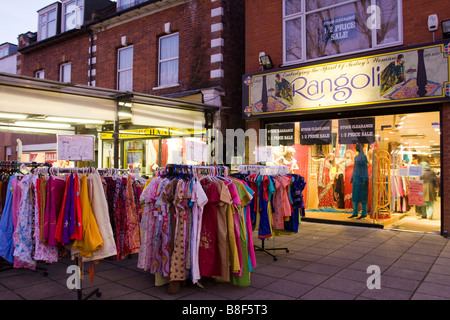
410, 75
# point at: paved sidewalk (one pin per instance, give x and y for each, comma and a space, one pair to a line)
324, 262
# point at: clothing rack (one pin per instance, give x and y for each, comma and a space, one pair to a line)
180, 169
86, 170
14, 165
266, 170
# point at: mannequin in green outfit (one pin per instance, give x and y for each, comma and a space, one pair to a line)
360, 181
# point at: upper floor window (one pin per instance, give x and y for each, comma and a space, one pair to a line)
40, 74
125, 69
125, 4
168, 60
48, 21
65, 72
325, 28
4, 52
73, 12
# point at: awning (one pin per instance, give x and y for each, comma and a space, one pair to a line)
40, 98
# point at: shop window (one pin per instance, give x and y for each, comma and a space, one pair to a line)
317, 29
397, 186
47, 23
65, 71
73, 12
125, 69
168, 60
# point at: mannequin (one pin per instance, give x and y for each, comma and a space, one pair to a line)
287, 159
360, 181
348, 161
325, 182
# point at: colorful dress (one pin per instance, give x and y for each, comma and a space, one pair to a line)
325, 186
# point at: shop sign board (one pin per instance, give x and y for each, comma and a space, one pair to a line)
412, 75
281, 134
315, 132
76, 147
148, 133
353, 131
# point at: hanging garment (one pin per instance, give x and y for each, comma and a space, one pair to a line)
92, 239
42, 251
23, 232
7, 225
209, 255
100, 211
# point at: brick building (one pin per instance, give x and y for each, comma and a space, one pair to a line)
184, 50
348, 73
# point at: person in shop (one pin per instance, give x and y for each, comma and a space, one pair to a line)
360, 181
430, 185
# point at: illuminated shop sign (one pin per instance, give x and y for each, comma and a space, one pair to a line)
417, 74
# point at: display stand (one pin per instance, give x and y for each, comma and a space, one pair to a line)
262, 249
95, 292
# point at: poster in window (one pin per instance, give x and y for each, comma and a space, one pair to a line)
281, 134
315, 132
353, 131
415, 192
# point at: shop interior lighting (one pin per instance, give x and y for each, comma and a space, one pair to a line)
124, 114
12, 115
37, 124
32, 130
74, 120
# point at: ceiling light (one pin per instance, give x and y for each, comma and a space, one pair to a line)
12, 115
74, 120
124, 114
36, 124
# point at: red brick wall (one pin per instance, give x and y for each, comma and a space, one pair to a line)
75, 50
263, 32
264, 27
193, 23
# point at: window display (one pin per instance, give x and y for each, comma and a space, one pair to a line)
380, 170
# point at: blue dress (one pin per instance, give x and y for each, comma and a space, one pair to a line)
360, 179
7, 226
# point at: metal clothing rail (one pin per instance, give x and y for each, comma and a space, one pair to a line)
265, 170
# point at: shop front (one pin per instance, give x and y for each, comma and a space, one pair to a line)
366, 134
70, 125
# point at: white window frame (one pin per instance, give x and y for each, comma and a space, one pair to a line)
124, 69
303, 15
160, 61
79, 14
65, 70
46, 12
40, 74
